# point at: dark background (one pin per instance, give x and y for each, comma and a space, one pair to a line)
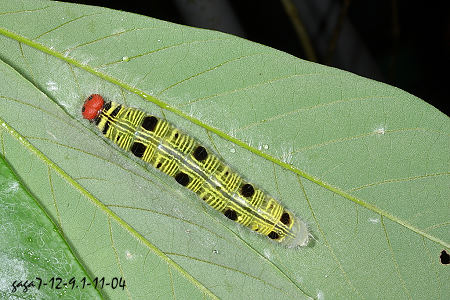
399, 42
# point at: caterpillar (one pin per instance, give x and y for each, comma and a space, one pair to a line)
165, 147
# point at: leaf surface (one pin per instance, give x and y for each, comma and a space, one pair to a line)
32, 251
366, 165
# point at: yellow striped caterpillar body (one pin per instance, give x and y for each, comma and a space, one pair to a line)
165, 147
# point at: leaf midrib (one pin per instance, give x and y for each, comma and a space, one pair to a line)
222, 134
99, 204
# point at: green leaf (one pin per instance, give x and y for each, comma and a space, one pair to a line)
366, 165
31, 249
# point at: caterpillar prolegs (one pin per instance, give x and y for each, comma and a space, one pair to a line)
180, 156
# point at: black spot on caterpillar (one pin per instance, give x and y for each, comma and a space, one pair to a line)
180, 156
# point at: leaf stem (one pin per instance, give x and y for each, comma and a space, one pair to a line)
51, 165
220, 133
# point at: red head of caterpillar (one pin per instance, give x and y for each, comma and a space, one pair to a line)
92, 107
173, 152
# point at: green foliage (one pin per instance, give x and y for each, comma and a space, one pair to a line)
30, 247
366, 165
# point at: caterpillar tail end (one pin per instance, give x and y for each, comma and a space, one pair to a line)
301, 235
